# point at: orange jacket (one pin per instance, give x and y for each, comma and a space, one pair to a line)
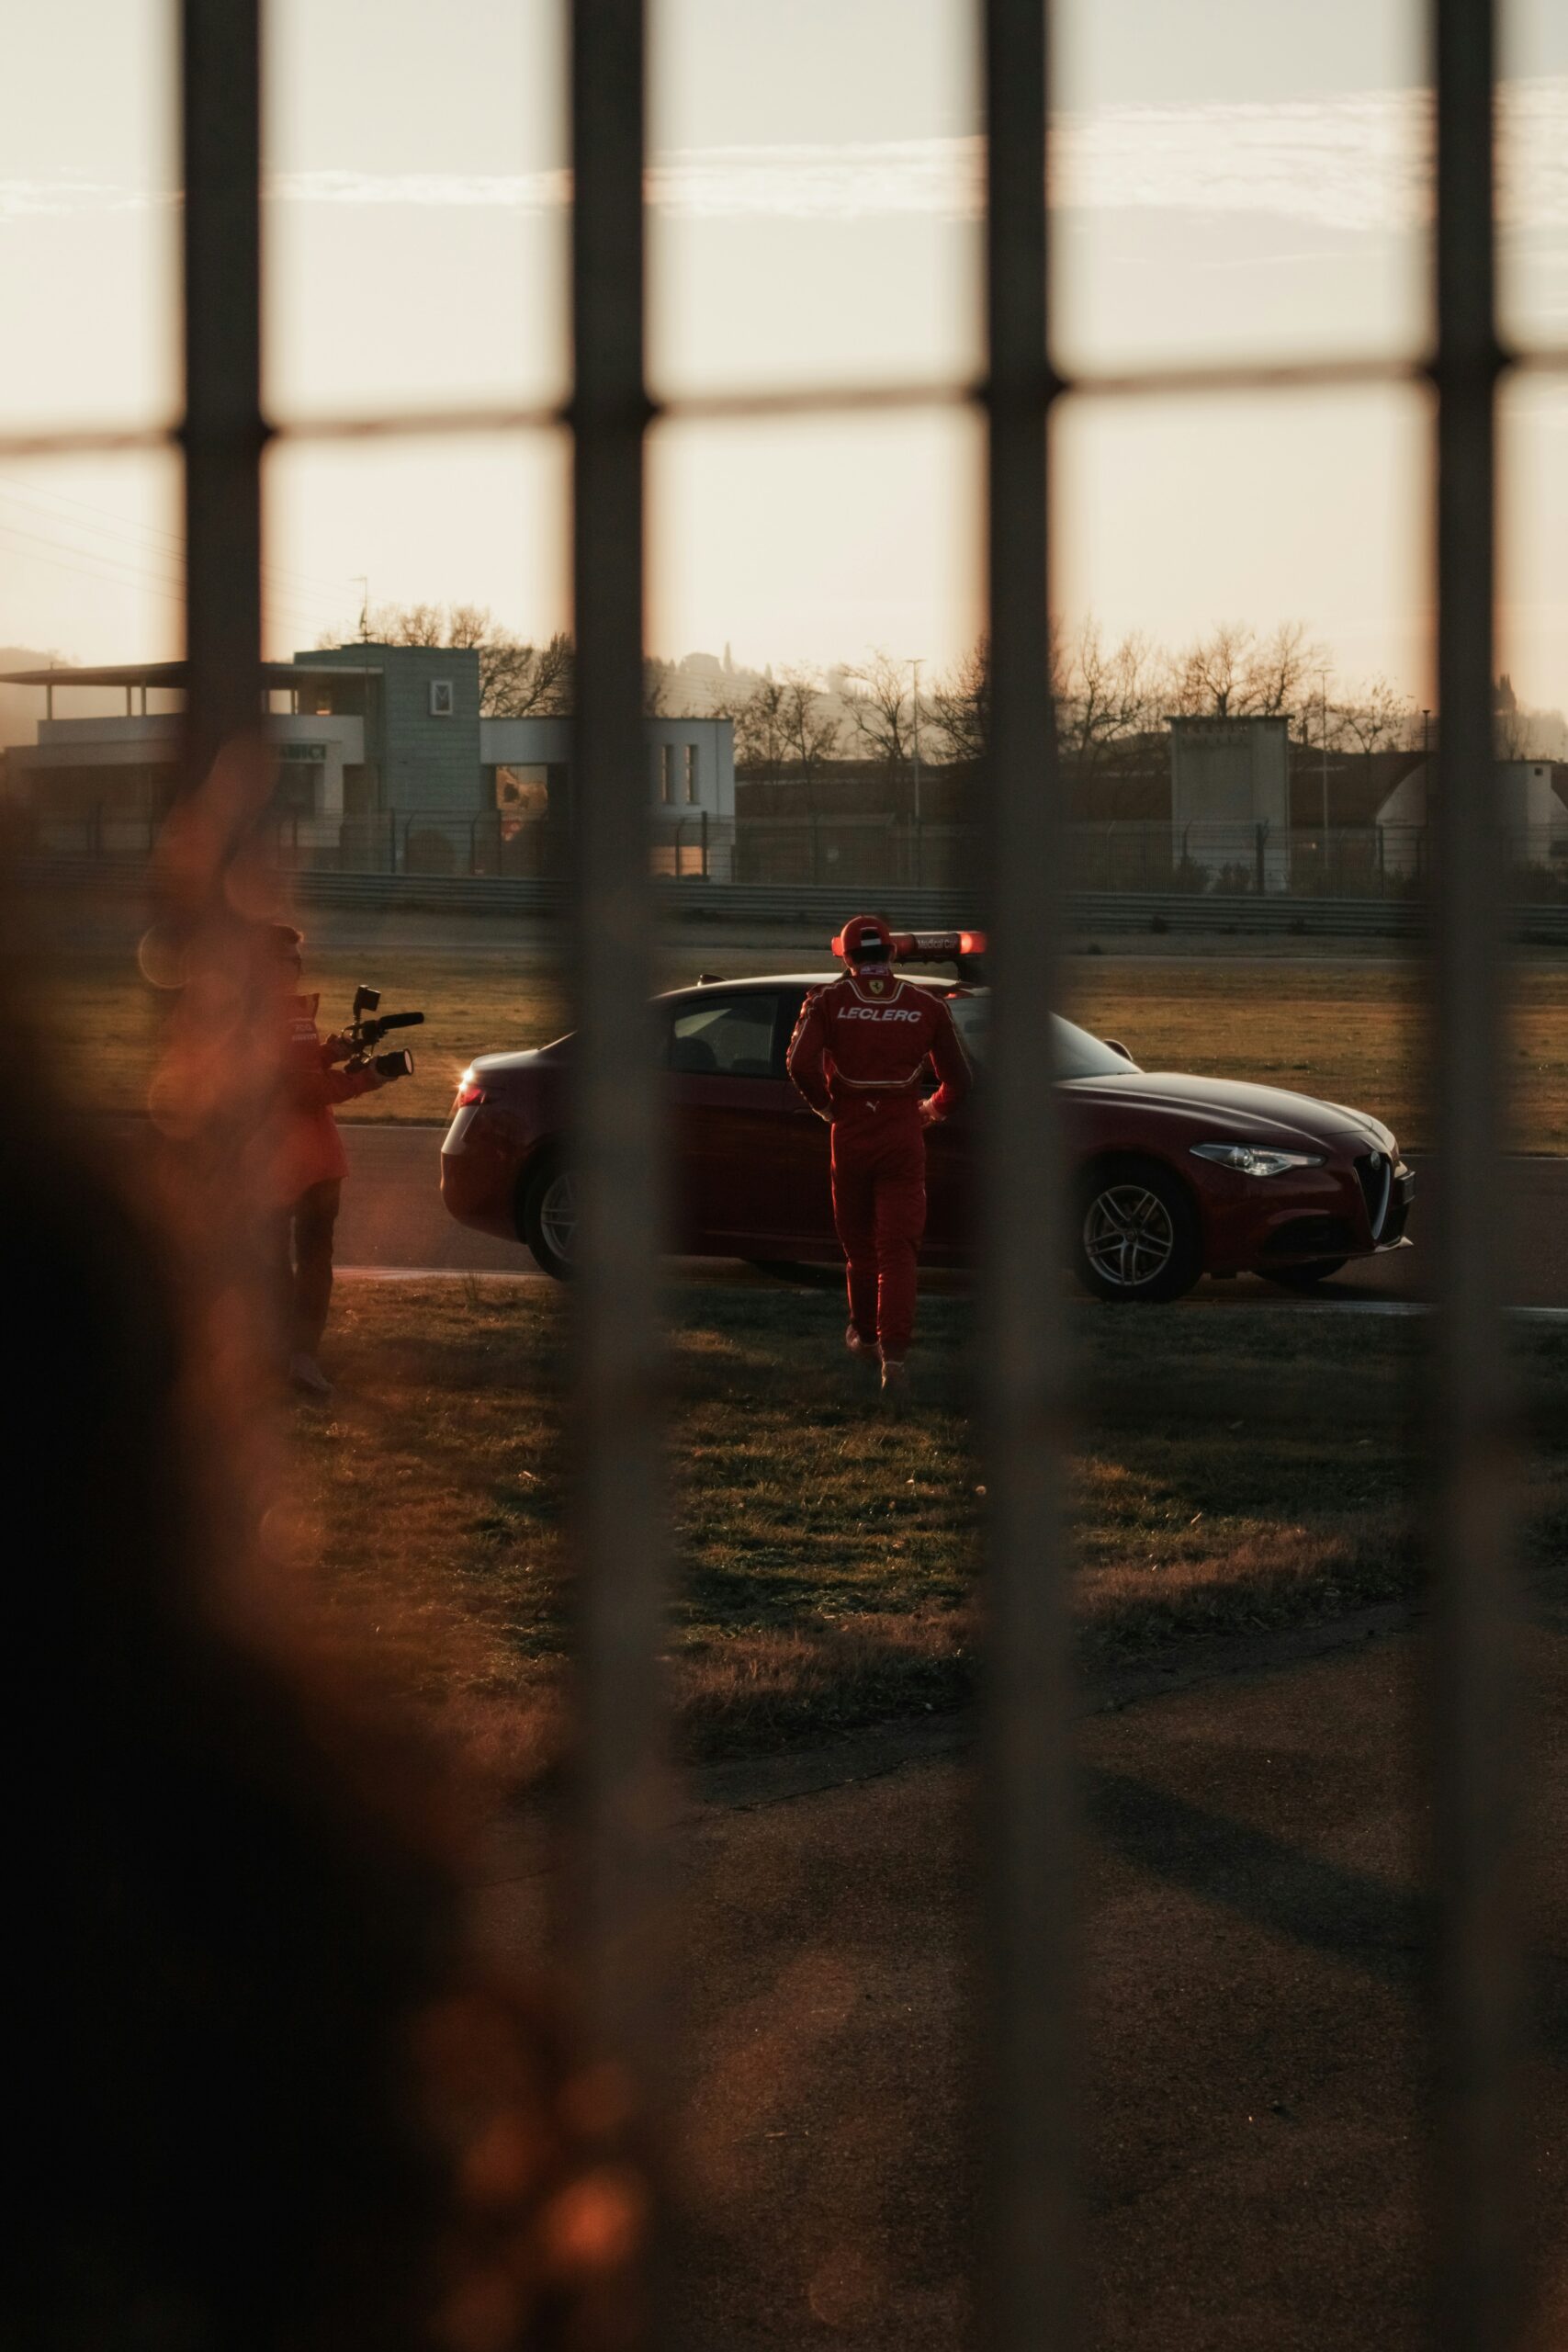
308, 1149
870, 1037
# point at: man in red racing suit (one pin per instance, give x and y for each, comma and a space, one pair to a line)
305, 1163
859, 1054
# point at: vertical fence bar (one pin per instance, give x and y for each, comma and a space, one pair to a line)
1026, 1784
222, 432
1478, 2203
619, 1555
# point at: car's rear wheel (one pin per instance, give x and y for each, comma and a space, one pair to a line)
1138, 1238
1305, 1277
547, 1217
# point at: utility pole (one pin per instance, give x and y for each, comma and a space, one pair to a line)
1323, 728
915, 667
364, 607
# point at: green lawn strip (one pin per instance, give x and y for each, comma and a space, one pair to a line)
1347, 1030
1234, 1469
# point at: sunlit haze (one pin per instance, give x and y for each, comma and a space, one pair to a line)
1235, 178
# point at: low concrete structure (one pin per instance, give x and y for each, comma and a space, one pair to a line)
1230, 798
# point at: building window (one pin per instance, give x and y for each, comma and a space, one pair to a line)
667, 774
442, 701
691, 794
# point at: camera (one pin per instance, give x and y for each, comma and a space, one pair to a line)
367, 1027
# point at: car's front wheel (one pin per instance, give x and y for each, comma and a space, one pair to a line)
548, 1216
1138, 1235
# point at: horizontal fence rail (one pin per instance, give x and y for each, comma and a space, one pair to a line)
861, 854
1087, 913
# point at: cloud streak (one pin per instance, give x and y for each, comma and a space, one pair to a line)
1360, 163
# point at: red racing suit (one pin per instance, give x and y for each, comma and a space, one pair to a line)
304, 1166
860, 1055
306, 1148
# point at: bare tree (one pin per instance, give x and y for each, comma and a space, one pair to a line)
1376, 718
761, 730
810, 730
517, 680
880, 709
1279, 670
1235, 675
959, 709
1107, 697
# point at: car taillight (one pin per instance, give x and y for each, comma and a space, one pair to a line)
469, 1090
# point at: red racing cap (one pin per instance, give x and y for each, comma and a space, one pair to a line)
864, 939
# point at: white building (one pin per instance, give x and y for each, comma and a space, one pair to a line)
1530, 810
382, 760
527, 765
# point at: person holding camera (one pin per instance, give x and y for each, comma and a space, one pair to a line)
307, 1163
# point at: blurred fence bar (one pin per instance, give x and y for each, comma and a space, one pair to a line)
1478, 2272
222, 432
1028, 2301
619, 1554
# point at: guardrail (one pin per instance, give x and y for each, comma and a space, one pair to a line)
809, 904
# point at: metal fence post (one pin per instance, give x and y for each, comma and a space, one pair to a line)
222, 431
1480, 2182
618, 1542
1027, 1811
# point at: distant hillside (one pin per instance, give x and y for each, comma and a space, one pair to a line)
21, 708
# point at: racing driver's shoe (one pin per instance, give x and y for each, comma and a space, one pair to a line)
863, 1350
894, 1384
305, 1375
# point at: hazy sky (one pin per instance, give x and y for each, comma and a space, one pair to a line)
1234, 178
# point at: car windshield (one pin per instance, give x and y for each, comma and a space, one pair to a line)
1077, 1054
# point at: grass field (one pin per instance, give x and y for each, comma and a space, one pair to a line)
1233, 1471
1346, 1029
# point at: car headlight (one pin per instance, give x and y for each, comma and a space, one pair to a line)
1256, 1159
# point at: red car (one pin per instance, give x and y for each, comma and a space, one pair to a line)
1177, 1177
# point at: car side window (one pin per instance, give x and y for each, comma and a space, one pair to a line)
729, 1037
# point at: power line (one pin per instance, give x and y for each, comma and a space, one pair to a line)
169, 585
119, 525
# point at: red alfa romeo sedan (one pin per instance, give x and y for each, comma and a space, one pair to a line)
1176, 1177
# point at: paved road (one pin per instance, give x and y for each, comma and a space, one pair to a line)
1253, 2069
392, 1218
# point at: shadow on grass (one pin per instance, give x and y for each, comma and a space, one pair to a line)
1233, 1472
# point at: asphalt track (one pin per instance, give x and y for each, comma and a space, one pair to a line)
1254, 2064
393, 1221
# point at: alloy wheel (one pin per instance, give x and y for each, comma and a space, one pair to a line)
557, 1216
1128, 1236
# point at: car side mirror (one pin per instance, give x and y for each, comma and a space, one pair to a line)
1117, 1048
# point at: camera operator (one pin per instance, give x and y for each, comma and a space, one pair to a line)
307, 1163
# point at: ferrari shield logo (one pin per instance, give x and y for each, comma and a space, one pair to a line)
876, 987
